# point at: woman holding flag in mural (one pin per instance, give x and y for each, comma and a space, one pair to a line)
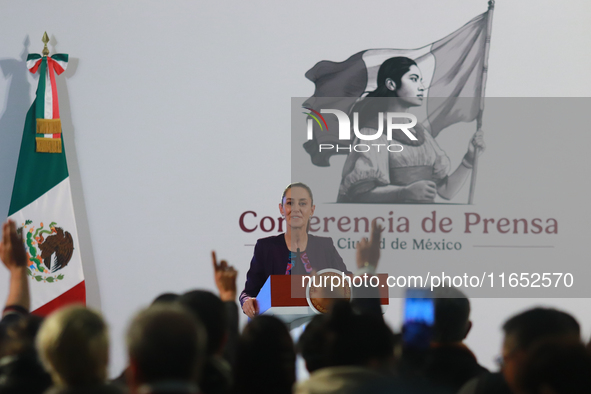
419, 172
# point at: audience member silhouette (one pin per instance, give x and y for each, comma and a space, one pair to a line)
356, 350
166, 348
449, 363
265, 358
73, 345
558, 367
162, 299
521, 333
210, 310
311, 344
20, 369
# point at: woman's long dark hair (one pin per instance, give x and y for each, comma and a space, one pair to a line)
393, 68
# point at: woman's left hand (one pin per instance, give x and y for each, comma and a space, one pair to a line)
477, 142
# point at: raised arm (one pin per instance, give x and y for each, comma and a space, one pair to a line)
225, 281
367, 258
14, 258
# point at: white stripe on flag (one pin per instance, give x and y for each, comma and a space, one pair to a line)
63, 64
48, 97
31, 63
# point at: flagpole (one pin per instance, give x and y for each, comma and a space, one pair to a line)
491, 7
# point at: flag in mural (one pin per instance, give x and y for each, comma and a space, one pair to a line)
452, 68
41, 203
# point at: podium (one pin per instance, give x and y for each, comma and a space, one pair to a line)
292, 306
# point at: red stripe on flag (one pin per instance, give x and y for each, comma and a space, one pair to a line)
76, 294
56, 135
56, 109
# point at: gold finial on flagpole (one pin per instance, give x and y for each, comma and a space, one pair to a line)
45, 40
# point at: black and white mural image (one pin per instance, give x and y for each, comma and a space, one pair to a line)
393, 104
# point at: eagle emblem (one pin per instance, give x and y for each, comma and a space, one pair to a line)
48, 250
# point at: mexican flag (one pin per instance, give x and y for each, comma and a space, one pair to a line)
453, 70
41, 204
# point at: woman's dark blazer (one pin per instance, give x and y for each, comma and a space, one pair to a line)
271, 256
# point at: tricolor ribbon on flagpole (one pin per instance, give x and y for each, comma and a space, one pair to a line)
49, 127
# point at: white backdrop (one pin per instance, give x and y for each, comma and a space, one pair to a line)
176, 120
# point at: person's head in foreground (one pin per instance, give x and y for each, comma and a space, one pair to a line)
165, 298
73, 345
20, 370
166, 348
525, 330
452, 315
310, 344
360, 340
265, 358
556, 367
348, 353
208, 308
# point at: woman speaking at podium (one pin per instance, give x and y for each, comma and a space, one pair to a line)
294, 252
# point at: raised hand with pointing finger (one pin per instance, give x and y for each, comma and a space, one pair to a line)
368, 250
225, 278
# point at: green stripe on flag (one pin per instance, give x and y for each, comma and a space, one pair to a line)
36, 173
